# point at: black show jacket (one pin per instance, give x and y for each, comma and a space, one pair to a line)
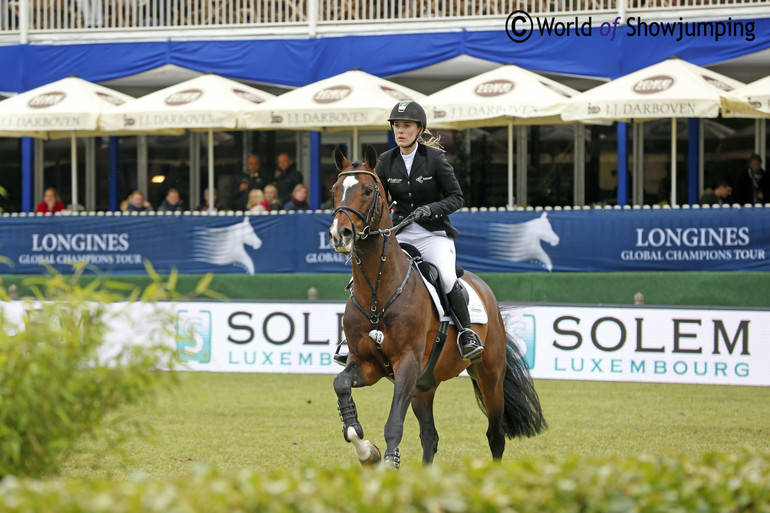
432, 182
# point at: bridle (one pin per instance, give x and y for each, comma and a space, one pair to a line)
367, 219
373, 315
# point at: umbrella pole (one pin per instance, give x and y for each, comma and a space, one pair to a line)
74, 160
510, 163
673, 162
211, 171
355, 143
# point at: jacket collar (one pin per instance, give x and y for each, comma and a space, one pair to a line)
420, 158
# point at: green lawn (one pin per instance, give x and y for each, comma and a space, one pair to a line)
268, 422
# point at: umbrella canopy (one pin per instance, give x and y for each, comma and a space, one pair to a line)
749, 101
66, 108
58, 109
202, 104
354, 99
670, 89
498, 97
207, 102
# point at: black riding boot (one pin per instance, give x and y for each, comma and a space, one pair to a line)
468, 342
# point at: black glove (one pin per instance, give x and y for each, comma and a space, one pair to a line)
422, 213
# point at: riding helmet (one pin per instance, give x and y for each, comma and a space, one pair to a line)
408, 110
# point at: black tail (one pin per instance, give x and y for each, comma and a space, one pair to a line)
522, 415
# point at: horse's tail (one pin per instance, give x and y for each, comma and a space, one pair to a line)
522, 415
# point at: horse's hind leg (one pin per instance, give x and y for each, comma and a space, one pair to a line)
367, 453
491, 394
422, 405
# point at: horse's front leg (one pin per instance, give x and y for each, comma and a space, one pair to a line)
405, 380
366, 452
422, 406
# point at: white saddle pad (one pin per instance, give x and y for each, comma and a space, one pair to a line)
475, 306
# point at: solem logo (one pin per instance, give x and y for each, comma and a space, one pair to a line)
395, 93
109, 98
193, 336
45, 100
717, 83
183, 97
522, 329
248, 96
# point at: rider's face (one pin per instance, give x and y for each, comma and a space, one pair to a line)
405, 133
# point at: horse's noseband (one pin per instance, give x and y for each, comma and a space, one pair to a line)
367, 219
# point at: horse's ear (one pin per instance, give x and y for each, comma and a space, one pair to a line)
339, 159
371, 157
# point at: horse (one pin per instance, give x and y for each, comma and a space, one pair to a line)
521, 242
391, 325
226, 246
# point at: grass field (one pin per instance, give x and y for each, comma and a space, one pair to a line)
268, 422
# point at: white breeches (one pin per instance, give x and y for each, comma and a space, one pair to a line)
436, 248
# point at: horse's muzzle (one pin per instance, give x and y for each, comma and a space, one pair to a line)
341, 238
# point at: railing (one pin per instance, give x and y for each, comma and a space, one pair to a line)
39, 16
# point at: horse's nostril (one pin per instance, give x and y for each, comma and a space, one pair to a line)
346, 232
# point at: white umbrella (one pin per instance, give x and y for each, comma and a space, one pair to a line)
66, 108
670, 89
352, 100
505, 96
750, 101
202, 104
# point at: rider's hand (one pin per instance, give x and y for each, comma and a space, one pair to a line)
422, 213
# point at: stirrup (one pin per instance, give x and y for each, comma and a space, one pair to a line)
476, 347
340, 358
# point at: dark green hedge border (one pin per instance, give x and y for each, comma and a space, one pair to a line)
715, 482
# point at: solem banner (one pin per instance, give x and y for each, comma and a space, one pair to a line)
639, 344
580, 240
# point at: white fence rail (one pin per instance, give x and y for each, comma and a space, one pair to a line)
34, 16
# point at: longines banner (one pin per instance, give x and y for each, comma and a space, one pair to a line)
734, 239
721, 347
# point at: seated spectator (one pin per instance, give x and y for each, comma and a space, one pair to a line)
286, 177
137, 203
718, 196
298, 199
51, 203
172, 203
257, 202
204, 207
271, 196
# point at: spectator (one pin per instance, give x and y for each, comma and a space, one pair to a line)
718, 196
204, 207
137, 203
298, 199
257, 202
253, 178
286, 177
271, 196
51, 203
172, 203
754, 185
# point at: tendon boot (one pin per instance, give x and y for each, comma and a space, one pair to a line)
467, 341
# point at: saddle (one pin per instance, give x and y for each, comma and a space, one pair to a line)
431, 274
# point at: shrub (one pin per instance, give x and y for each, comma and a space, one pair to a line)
664, 484
59, 376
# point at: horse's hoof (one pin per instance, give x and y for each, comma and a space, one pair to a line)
366, 452
393, 461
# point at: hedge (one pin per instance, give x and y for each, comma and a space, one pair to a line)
670, 484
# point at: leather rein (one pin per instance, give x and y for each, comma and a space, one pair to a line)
373, 314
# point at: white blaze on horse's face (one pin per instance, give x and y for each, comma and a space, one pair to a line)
348, 183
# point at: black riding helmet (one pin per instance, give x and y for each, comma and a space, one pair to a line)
408, 110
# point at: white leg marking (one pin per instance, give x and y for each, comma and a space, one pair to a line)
347, 183
362, 447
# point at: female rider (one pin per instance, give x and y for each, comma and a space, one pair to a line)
421, 181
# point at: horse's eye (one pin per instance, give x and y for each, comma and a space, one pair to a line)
368, 191
331, 192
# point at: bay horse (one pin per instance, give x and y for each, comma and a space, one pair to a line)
391, 326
